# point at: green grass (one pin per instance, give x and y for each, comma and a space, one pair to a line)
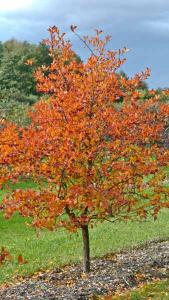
58, 248
155, 291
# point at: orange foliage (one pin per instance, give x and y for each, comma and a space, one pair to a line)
93, 157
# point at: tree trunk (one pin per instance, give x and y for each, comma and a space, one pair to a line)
86, 249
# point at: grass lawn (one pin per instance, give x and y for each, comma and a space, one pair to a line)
156, 291
58, 248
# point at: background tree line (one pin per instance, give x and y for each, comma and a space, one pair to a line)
17, 82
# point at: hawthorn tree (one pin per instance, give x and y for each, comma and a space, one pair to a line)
92, 157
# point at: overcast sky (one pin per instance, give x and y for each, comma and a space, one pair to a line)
141, 25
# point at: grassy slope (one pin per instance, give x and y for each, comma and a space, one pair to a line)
58, 248
156, 291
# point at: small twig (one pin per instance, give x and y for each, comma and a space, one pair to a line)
126, 281
81, 39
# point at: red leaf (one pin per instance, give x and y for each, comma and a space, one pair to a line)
22, 261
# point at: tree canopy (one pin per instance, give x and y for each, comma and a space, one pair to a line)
93, 160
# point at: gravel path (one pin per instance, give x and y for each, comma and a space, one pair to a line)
122, 270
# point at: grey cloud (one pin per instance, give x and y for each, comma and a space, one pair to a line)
139, 24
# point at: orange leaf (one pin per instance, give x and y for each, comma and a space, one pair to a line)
22, 261
29, 62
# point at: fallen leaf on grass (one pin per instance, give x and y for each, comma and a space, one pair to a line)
22, 261
5, 255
